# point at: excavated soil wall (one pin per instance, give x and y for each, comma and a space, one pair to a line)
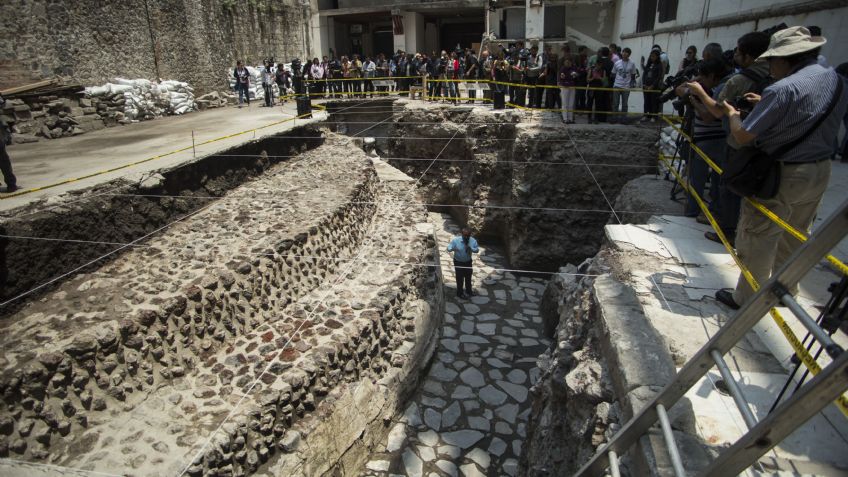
541, 189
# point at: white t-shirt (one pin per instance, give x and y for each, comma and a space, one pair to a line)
623, 71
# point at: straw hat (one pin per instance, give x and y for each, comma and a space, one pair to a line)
791, 41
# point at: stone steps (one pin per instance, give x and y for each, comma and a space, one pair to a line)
322, 350
107, 339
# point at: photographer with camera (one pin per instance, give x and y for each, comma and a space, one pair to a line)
463, 247
793, 126
753, 79
242, 76
708, 133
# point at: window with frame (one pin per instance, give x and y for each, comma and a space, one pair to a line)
667, 10
646, 15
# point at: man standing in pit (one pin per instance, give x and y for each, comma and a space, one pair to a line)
462, 248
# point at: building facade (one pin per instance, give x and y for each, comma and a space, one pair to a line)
377, 26
674, 25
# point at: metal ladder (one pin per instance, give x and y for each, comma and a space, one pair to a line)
761, 436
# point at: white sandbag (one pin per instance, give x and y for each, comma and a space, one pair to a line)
119, 88
96, 91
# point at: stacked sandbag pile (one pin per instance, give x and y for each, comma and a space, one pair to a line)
141, 99
668, 138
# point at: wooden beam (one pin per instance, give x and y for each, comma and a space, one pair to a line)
28, 87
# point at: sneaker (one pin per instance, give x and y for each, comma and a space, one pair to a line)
702, 219
11, 188
460, 295
726, 297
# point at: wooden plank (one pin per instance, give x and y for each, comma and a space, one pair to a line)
29, 87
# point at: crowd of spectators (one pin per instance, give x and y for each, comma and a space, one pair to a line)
772, 90
597, 84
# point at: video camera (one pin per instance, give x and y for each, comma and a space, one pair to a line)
673, 81
296, 66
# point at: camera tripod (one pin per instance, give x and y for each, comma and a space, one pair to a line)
833, 316
682, 162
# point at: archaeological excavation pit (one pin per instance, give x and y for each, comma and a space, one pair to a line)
287, 307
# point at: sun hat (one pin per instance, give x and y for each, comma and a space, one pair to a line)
792, 41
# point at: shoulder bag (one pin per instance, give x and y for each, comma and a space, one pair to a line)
753, 172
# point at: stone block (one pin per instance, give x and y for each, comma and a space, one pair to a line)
636, 353
23, 138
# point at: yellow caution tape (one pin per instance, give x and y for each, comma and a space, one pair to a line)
802, 353
758, 205
124, 166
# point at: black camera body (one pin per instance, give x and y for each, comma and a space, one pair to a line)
673, 81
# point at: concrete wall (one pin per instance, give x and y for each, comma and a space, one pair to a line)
691, 16
89, 41
534, 20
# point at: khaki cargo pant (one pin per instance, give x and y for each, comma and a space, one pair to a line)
761, 244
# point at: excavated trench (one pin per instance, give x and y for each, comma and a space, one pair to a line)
271, 315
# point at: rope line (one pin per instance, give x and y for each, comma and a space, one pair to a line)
142, 161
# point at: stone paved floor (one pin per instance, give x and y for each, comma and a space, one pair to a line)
470, 414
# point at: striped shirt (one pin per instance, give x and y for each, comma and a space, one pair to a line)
791, 106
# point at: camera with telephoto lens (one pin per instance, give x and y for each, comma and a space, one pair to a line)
673, 81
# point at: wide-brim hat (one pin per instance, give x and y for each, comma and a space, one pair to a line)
792, 41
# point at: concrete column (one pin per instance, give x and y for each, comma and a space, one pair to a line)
413, 29
328, 35
494, 22
313, 45
534, 20
431, 38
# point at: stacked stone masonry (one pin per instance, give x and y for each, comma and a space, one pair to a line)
90, 42
279, 302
